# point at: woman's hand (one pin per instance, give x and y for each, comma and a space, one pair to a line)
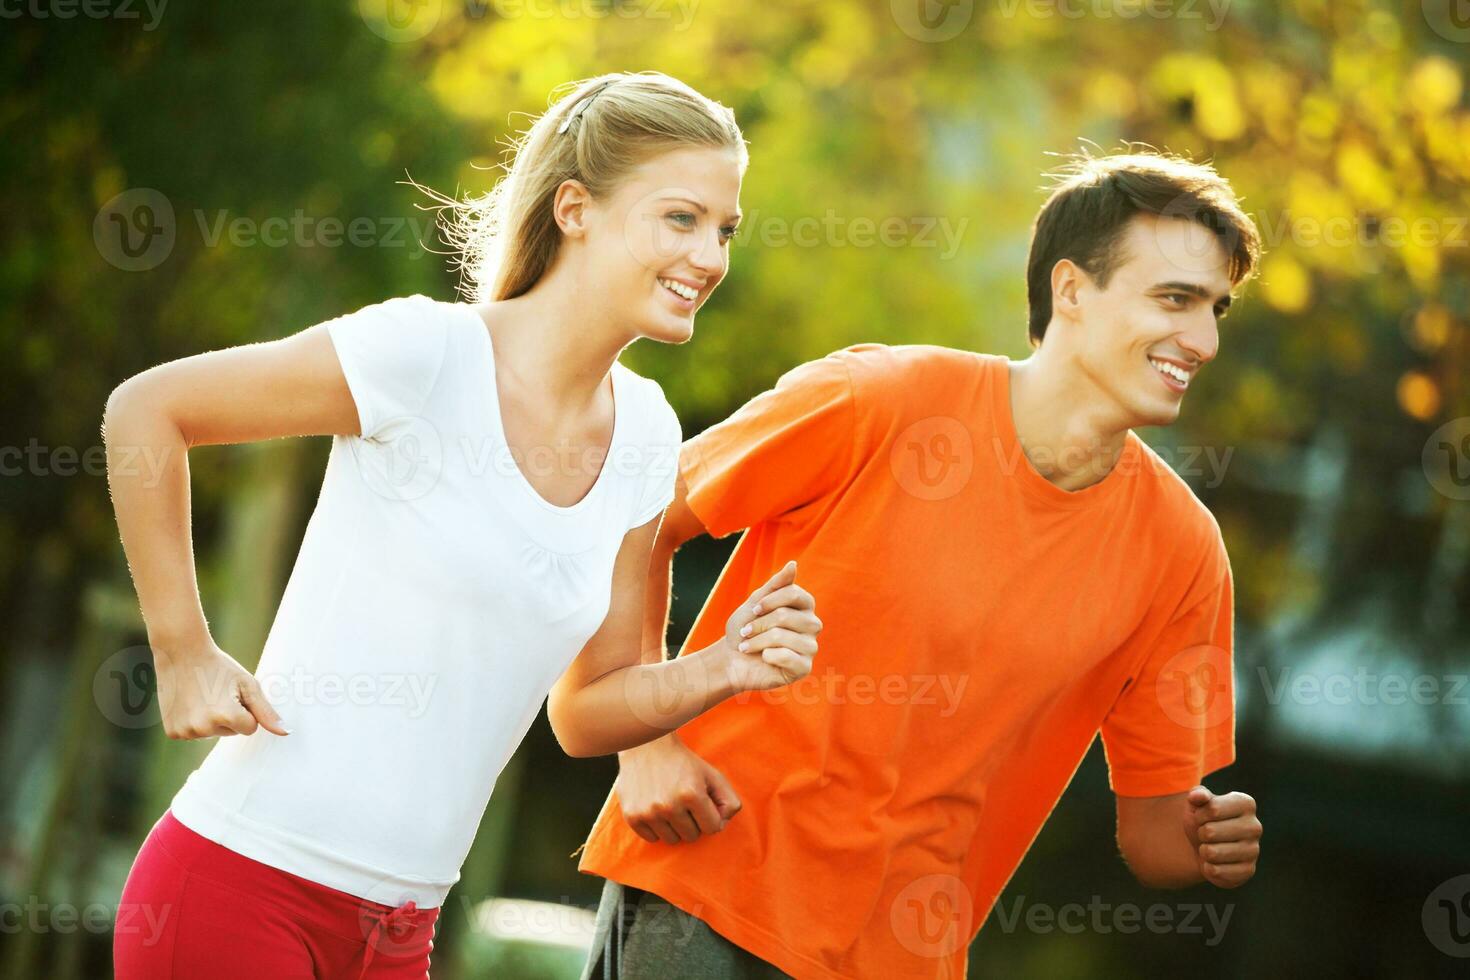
206, 692
771, 639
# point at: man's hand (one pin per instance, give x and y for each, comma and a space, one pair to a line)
670, 794
1226, 835
771, 638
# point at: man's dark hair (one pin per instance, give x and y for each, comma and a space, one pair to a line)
1095, 198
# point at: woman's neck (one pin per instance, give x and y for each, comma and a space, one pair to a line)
554, 342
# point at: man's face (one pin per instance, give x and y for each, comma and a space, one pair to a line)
1144, 338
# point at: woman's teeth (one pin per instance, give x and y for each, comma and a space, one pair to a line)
679, 289
1177, 373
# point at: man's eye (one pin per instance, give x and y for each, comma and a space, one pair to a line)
1179, 298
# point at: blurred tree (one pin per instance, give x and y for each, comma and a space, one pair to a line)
172, 186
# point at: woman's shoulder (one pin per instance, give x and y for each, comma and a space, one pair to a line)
652, 418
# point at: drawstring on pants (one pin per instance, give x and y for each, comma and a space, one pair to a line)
397, 924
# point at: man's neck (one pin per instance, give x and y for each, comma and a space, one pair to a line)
1071, 431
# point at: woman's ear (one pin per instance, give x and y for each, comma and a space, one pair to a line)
569, 207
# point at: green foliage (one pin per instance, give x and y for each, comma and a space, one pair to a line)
1343, 125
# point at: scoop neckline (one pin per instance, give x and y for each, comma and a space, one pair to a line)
497, 423
1030, 478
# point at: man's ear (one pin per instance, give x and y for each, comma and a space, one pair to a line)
569, 207
1067, 280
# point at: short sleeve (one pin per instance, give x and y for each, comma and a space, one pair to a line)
662, 462
1175, 720
391, 354
781, 450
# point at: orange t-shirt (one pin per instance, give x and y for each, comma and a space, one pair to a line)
981, 626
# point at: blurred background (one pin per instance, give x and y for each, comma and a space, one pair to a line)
185, 177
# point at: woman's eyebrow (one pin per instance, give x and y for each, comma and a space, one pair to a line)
688, 200
735, 216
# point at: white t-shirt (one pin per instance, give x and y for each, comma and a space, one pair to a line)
435, 600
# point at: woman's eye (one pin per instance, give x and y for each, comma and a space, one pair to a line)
728, 232
683, 219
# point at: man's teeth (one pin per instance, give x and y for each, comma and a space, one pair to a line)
688, 292
1177, 373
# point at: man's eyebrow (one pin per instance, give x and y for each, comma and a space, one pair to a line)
1194, 289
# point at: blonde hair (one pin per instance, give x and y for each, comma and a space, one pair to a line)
596, 132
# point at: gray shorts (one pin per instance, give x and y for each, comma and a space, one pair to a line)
641, 937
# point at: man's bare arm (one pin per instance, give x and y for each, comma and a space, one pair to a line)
1184, 838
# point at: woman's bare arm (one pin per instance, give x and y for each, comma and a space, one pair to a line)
615, 695
288, 387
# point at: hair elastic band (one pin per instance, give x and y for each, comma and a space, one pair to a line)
580, 108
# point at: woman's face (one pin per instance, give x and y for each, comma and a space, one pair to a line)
660, 243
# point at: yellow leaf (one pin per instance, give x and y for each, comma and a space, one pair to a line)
1434, 85
1286, 285
1418, 395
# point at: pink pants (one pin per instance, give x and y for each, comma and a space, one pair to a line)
193, 908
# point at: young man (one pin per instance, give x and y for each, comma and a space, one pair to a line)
1005, 570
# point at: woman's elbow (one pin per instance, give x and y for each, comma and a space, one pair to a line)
575, 747
116, 405
569, 734
124, 404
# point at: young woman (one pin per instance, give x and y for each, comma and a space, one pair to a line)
481, 540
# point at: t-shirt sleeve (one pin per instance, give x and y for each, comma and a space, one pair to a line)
781, 450
1175, 720
661, 462
391, 354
